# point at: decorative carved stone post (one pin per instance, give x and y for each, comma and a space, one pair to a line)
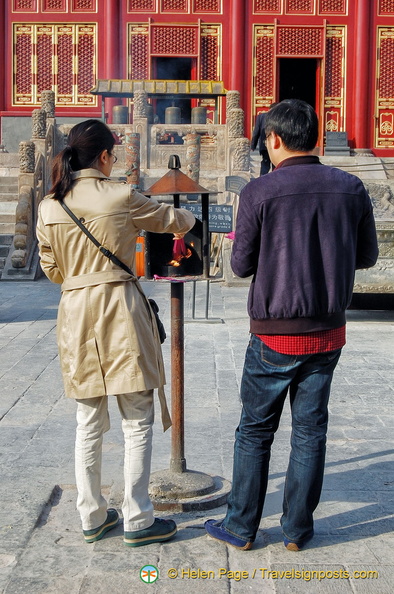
238, 144
141, 109
132, 147
232, 101
240, 154
48, 103
27, 157
235, 123
39, 118
23, 228
193, 152
141, 126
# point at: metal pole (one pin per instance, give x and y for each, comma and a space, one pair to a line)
207, 300
178, 461
205, 233
194, 300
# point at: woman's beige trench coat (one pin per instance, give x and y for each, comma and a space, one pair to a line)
104, 331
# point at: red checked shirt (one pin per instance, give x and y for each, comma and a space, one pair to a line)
309, 343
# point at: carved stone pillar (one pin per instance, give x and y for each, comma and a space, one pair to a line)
23, 216
193, 152
232, 101
27, 157
235, 123
141, 109
240, 154
39, 118
48, 103
132, 147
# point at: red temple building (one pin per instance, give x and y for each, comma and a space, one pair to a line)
336, 54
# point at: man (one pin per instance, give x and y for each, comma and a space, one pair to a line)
258, 136
301, 232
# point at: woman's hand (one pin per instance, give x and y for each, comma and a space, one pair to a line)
179, 236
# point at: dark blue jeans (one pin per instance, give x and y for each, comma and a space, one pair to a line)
267, 377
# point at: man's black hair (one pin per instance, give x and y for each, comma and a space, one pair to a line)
296, 122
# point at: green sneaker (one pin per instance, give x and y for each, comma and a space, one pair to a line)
159, 531
98, 533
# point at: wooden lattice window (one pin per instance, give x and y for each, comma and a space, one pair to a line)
263, 80
84, 5
54, 6
63, 58
332, 6
138, 67
300, 6
334, 88
174, 5
206, 5
24, 6
210, 48
142, 6
300, 41
386, 7
384, 131
177, 40
261, 6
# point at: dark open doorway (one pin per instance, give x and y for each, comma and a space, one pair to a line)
173, 69
297, 79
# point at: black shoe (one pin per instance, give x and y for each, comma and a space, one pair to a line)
160, 531
98, 533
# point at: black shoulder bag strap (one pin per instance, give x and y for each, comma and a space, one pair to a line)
98, 245
150, 303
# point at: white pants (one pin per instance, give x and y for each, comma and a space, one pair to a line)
92, 422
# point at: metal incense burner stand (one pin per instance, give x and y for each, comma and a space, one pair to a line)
179, 488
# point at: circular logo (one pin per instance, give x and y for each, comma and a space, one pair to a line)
149, 574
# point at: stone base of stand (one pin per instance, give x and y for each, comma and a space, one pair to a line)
187, 491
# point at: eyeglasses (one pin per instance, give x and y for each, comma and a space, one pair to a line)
115, 157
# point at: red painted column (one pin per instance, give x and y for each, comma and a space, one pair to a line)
2, 62
362, 121
237, 62
109, 48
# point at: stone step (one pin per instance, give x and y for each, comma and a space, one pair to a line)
7, 227
8, 208
8, 179
8, 188
5, 244
9, 160
11, 196
7, 217
6, 239
8, 185
11, 174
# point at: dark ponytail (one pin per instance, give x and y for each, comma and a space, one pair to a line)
86, 141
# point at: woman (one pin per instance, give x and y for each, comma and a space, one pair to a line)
107, 341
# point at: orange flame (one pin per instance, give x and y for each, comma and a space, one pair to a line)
178, 260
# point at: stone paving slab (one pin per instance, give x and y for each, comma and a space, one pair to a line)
41, 545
